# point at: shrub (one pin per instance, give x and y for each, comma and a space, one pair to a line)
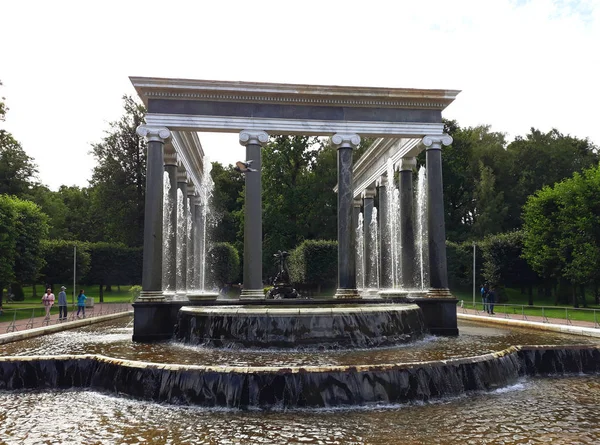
223, 264
314, 263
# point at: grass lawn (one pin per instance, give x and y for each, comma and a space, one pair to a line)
517, 305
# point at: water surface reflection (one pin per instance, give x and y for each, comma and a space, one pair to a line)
551, 410
114, 339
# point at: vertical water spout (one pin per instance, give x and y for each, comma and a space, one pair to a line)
360, 249
373, 280
421, 232
168, 254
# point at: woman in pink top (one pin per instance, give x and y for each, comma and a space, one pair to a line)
48, 300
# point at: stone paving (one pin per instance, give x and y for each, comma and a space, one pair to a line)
99, 309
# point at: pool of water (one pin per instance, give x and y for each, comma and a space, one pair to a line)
113, 339
534, 411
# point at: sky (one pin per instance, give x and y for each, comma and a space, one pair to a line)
65, 65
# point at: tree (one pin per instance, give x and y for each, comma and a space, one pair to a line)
17, 170
119, 178
8, 241
504, 265
227, 202
224, 264
113, 263
78, 221
287, 161
543, 159
562, 231
490, 210
58, 258
31, 229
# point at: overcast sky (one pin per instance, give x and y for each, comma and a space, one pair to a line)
66, 64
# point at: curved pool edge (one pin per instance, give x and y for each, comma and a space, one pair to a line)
297, 386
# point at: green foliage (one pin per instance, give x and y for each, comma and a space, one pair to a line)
31, 228
22, 226
562, 230
314, 263
227, 201
119, 179
113, 263
504, 265
460, 264
135, 292
8, 240
17, 169
224, 264
58, 256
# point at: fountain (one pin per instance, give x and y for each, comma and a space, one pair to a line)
289, 358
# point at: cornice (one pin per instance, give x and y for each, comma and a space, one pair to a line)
311, 127
297, 94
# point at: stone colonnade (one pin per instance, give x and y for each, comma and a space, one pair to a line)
173, 225
183, 269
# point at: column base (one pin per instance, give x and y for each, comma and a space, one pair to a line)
347, 294
439, 293
150, 295
252, 294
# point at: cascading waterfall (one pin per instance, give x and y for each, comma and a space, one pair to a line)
360, 249
373, 249
168, 207
421, 241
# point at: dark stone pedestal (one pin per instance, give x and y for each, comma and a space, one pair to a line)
439, 314
155, 321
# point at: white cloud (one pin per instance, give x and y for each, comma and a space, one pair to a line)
65, 64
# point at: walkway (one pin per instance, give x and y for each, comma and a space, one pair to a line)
99, 309
578, 327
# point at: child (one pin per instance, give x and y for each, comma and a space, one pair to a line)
81, 303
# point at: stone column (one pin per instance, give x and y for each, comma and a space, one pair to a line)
199, 243
192, 279
153, 213
170, 224
253, 288
182, 226
345, 143
368, 205
385, 278
438, 272
407, 229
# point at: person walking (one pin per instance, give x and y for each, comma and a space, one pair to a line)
484, 292
491, 299
62, 304
81, 303
48, 301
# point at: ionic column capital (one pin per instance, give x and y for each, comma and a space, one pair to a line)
153, 134
170, 158
369, 192
357, 202
191, 190
182, 176
408, 163
435, 142
253, 137
345, 140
